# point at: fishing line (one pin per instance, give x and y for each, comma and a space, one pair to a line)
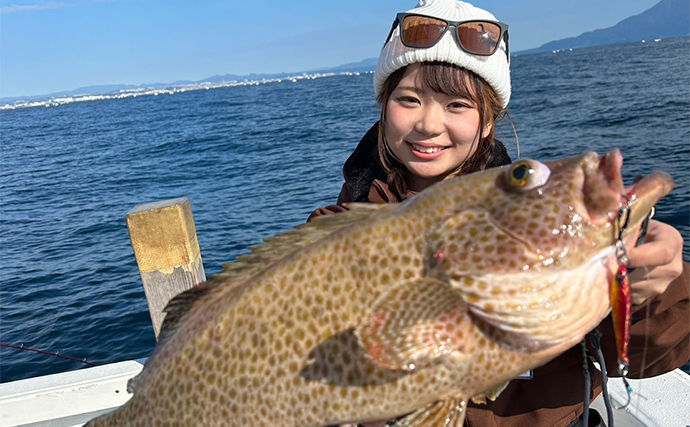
49, 353
645, 346
646, 338
517, 140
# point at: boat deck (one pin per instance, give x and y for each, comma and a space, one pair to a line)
72, 398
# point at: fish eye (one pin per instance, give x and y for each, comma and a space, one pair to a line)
519, 174
528, 174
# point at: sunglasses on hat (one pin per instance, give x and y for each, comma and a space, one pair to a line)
477, 37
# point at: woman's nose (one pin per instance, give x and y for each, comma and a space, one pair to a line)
431, 121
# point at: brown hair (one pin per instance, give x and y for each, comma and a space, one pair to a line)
450, 80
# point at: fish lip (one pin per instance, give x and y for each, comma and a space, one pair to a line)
611, 165
639, 197
657, 183
609, 170
643, 195
604, 171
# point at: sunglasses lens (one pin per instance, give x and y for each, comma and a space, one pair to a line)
420, 31
481, 38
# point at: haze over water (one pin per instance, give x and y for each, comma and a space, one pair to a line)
256, 160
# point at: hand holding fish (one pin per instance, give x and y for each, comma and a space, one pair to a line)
657, 262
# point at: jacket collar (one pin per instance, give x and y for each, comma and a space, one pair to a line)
363, 166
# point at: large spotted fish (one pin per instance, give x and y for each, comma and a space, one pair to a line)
409, 308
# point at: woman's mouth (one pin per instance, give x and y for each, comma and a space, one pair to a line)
425, 152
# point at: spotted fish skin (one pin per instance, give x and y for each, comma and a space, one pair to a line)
393, 309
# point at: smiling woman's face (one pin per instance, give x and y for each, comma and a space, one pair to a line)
429, 132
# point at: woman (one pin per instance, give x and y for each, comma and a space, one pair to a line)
442, 87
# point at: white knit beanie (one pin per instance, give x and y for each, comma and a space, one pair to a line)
495, 69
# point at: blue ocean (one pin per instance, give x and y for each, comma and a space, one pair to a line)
256, 160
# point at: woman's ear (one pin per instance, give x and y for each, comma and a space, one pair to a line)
487, 129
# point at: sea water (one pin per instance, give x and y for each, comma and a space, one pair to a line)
257, 160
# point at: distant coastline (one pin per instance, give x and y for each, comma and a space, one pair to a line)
97, 93
83, 95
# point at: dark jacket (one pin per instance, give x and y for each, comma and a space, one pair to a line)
554, 396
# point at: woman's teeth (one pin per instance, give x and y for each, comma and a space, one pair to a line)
427, 150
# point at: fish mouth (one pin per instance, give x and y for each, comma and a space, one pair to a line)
638, 198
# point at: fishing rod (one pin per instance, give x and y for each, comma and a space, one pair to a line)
50, 353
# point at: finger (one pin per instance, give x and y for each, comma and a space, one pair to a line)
659, 231
652, 254
662, 246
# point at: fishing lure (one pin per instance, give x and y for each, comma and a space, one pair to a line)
620, 309
620, 291
621, 304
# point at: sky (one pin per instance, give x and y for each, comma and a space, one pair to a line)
48, 46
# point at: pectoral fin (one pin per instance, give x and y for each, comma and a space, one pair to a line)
413, 324
490, 394
444, 413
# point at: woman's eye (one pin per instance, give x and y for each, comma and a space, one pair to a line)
459, 105
408, 100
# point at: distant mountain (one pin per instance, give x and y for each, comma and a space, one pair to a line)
363, 66
353, 67
667, 19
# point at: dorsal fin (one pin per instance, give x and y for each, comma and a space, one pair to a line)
176, 309
263, 256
